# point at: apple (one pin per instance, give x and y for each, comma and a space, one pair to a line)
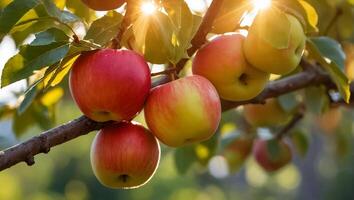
110, 84
237, 152
183, 111
222, 62
124, 155
283, 54
103, 5
268, 161
269, 114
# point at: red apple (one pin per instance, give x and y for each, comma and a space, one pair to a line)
110, 84
223, 63
124, 155
102, 5
183, 111
268, 161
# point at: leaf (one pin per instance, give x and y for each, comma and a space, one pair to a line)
49, 36
330, 49
32, 58
337, 76
54, 11
312, 16
153, 37
52, 96
288, 101
105, 28
316, 99
305, 13
300, 141
80, 9
273, 148
183, 20
13, 12
29, 96
184, 158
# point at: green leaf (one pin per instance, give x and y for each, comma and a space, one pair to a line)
153, 37
316, 99
105, 28
273, 148
80, 9
32, 58
50, 36
54, 11
337, 76
30, 95
183, 20
13, 12
330, 49
300, 141
184, 158
288, 101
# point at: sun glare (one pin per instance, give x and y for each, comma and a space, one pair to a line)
261, 4
148, 7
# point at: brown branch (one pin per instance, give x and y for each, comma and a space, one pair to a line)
296, 119
26, 151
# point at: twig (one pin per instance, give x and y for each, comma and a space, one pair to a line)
296, 119
164, 72
126, 22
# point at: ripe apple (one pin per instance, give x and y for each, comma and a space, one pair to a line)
269, 114
237, 152
284, 53
222, 62
110, 84
124, 155
268, 161
183, 111
103, 5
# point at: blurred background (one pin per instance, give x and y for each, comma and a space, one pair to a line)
324, 171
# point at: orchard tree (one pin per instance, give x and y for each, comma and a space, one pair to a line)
251, 63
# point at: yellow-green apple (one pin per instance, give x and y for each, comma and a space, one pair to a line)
102, 5
222, 62
275, 42
237, 152
183, 111
110, 84
271, 161
124, 155
269, 114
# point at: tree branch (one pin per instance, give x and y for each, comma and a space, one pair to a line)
26, 151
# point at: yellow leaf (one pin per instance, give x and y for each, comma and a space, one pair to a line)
311, 13
52, 96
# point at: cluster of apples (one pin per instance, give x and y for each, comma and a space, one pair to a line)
114, 85
239, 67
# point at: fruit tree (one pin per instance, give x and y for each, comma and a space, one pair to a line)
218, 79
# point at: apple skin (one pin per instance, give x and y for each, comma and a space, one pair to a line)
266, 161
237, 152
110, 84
103, 5
183, 111
269, 114
267, 58
124, 155
222, 62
